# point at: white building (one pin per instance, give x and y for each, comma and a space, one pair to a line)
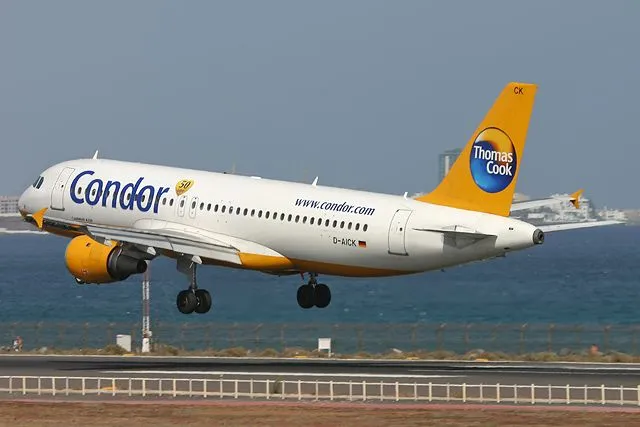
9, 204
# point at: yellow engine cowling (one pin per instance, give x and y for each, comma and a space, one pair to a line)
92, 262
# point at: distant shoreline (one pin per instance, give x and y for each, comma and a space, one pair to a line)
7, 231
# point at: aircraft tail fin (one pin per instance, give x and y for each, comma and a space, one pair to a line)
484, 176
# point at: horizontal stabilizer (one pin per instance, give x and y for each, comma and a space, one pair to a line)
458, 236
458, 233
575, 225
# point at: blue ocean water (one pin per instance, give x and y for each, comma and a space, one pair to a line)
585, 277
579, 276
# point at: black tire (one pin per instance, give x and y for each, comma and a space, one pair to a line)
186, 302
305, 296
322, 295
204, 301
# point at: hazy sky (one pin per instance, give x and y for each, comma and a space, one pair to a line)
364, 94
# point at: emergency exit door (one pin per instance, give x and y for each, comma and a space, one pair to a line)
397, 230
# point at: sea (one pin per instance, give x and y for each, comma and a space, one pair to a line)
585, 277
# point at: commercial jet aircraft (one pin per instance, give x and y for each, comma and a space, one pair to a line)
120, 215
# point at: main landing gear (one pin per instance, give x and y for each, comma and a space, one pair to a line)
314, 294
192, 299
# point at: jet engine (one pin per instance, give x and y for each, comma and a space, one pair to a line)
92, 262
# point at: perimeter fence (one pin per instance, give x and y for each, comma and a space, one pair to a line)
345, 338
317, 390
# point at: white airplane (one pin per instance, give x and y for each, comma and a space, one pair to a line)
119, 215
574, 199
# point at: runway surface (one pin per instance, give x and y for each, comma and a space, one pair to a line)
325, 370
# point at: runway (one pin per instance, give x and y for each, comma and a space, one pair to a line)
560, 374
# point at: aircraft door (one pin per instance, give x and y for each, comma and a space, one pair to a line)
397, 230
57, 193
182, 200
193, 207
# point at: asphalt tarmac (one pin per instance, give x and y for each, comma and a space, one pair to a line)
613, 375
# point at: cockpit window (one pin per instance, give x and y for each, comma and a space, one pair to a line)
38, 182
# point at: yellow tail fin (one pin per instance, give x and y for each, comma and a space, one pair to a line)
484, 176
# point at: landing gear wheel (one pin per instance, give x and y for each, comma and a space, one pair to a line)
321, 295
203, 301
306, 296
186, 302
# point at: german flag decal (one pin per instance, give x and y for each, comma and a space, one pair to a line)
362, 244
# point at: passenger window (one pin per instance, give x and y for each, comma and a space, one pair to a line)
209, 206
237, 211
246, 211
281, 217
364, 227
326, 223
349, 226
215, 208
297, 218
164, 201
260, 214
320, 222
182, 203
79, 190
266, 215
231, 210
304, 220
312, 220
201, 205
289, 217
171, 202
335, 223
223, 208
342, 224
357, 226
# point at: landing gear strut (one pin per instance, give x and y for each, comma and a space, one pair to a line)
314, 294
192, 299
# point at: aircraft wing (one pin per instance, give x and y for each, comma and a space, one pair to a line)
574, 225
530, 204
151, 235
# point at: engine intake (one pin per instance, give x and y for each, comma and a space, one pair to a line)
92, 262
538, 237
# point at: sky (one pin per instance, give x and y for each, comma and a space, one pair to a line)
363, 93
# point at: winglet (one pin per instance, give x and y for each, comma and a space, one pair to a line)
484, 176
95, 156
575, 198
38, 217
315, 182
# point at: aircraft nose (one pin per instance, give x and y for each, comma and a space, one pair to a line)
23, 203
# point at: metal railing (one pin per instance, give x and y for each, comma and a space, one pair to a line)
352, 391
346, 338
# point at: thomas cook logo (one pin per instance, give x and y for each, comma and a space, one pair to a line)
183, 186
493, 160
